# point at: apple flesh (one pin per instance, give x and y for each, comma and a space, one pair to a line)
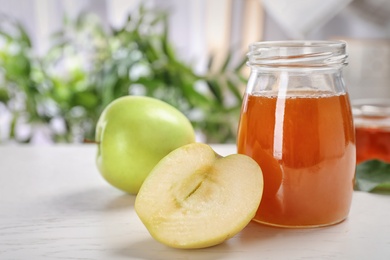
133, 134
195, 198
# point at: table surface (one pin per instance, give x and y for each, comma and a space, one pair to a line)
55, 205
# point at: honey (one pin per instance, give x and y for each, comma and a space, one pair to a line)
307, 153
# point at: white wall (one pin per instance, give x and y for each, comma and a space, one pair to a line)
365, 26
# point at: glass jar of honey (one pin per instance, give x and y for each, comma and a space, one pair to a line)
372, 123
296, 122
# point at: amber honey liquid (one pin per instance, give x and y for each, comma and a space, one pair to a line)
372, 143
305, 146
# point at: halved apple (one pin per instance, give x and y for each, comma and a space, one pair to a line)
194, 198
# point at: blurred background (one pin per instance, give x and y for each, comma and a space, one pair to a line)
63, 61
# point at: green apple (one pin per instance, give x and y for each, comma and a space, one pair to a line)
133, 134
194, 198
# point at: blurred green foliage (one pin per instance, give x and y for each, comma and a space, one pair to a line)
89, 65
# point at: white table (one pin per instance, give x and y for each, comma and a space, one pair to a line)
55, 205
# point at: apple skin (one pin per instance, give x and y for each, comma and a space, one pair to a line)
133, 134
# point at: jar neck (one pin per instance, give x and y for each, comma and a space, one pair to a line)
297, 82
297, 67
372, 113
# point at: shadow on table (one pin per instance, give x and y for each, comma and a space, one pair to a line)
256, 232
253, 234
151, 249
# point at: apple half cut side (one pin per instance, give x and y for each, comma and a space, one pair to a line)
194, 198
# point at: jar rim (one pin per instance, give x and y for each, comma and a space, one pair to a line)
297, 54
300, 43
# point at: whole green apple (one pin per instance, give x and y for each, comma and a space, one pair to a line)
133, 134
